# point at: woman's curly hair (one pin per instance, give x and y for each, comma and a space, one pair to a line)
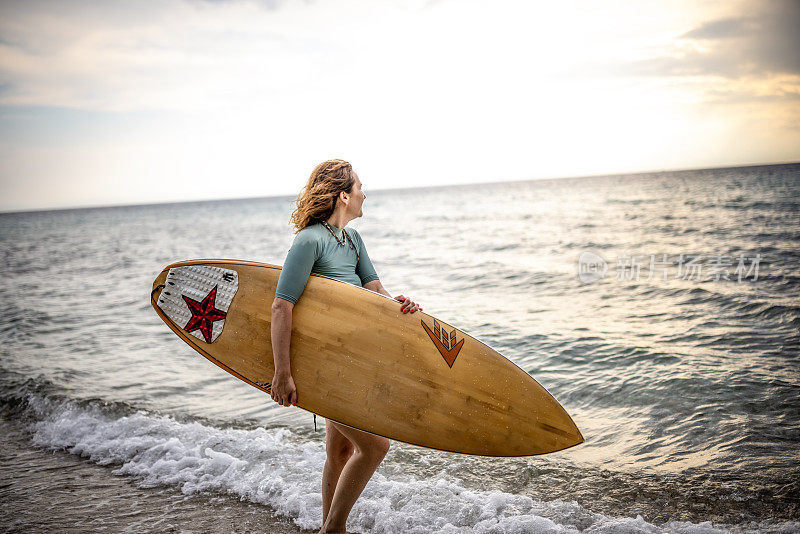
317, 200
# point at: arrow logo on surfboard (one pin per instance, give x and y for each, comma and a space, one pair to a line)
445, 341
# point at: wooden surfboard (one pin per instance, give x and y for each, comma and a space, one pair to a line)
358, 360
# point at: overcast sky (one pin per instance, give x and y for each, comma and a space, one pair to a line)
131, 102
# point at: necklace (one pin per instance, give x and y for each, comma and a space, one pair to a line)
344, 239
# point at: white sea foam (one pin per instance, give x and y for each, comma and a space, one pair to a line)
282, 470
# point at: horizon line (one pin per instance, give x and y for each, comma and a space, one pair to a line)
227, 199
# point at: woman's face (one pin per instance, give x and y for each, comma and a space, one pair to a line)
357, 197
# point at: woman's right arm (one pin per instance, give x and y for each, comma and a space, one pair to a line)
283, 390
291, 283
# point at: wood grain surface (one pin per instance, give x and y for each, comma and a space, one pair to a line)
358, 360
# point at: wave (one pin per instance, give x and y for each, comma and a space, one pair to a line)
280, 469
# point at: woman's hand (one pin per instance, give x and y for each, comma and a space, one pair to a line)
408, 305
283, 390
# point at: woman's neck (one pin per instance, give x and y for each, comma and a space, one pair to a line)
339, 219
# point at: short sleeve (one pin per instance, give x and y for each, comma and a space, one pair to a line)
297, 267
364, 269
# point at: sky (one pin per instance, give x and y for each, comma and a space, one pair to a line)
106, 102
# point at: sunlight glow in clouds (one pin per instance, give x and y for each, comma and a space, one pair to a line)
110, 102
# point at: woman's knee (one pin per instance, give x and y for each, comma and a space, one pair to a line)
378, 448
338, 450
368, 445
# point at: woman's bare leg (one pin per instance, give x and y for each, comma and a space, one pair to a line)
369, 453
338, 450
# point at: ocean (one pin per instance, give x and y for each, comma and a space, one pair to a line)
662, 310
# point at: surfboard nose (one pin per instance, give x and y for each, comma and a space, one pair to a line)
559, 431
571, 437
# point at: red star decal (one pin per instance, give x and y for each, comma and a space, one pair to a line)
203, 314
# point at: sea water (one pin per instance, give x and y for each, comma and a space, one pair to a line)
662, 310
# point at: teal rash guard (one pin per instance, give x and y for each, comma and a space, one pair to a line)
316, 251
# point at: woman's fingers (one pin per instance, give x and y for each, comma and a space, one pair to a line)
283, 400
408, 304
284, 392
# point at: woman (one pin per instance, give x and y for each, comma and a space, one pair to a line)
332, 198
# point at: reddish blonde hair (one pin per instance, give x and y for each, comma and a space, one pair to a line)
317, 200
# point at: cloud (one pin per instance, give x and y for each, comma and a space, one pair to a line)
266, 4
729, 28
176, 56
766, 43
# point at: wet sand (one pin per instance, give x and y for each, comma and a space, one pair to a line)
44, 491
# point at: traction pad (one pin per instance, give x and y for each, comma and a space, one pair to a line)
209, 290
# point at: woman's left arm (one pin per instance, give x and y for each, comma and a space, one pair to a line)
408, 306
366, 271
